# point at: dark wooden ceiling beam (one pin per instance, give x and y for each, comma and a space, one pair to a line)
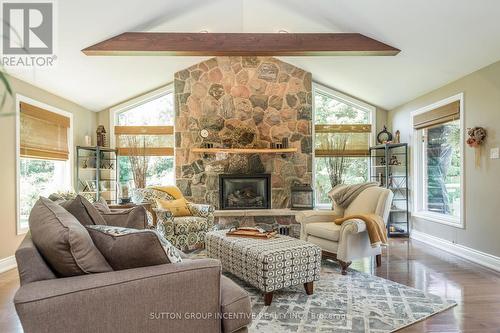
241, 44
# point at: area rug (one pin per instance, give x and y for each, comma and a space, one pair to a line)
356, 302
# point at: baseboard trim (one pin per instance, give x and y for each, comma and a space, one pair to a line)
7, 264
478, 257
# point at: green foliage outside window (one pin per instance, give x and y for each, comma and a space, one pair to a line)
160, 170
357, 172
331, 111
39, 177
156, 112
443, 168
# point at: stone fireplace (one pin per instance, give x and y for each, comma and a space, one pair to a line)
242, 102
245, 191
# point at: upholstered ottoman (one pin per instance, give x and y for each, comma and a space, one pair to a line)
267, 264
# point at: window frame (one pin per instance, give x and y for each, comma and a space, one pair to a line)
418, 172
132, 103
346, 99
69, 163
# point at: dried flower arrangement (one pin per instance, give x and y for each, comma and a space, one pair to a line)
139, 162
477, 135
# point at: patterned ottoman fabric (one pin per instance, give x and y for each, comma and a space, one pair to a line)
267, 264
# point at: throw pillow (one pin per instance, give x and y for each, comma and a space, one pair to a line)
126, 248
171, 190
83, 210
140, 195
177, 207
102, 206
332, 193
63, 241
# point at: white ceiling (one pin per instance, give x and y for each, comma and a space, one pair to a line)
440, 41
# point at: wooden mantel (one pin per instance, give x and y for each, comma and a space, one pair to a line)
241, 44
244, 150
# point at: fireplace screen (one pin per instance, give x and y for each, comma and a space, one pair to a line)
245, 191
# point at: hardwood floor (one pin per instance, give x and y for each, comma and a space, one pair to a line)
474, 288
9, 283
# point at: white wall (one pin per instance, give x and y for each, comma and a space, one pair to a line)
84, 123
482, 185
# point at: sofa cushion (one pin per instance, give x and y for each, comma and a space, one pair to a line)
102, 206
135, 218
59, 197
178, 207
126, 248
235, 306
84, 211
326, 230
63, 241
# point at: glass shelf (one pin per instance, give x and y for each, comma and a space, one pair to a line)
395, 178
97, 173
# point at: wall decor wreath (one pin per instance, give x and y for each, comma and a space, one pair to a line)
476, 137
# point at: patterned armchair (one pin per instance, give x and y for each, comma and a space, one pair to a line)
184, 231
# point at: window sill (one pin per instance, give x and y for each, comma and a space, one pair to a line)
323, 207
439, 218
22, 231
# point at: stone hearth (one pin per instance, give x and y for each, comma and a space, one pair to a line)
243, 102
270, 218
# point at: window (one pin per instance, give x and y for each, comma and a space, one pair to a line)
156, 111
144, 139
343, 134
438, 162
43, 158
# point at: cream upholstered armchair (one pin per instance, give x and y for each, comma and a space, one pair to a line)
350, 240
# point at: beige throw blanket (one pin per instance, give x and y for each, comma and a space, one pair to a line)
346, 195
375, 227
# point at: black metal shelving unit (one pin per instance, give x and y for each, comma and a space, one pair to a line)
389, 166
97, 173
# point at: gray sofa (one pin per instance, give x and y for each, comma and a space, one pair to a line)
135, 217
191, 296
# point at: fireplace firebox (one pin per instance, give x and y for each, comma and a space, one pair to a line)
245, 191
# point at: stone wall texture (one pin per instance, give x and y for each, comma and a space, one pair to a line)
246, 102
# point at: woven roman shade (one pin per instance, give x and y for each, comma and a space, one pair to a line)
342, 140
43, 134
145, 140
440, 115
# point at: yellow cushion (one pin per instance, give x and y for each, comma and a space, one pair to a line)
171, 189
178, 207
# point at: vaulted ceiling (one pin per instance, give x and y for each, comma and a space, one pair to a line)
440, 41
